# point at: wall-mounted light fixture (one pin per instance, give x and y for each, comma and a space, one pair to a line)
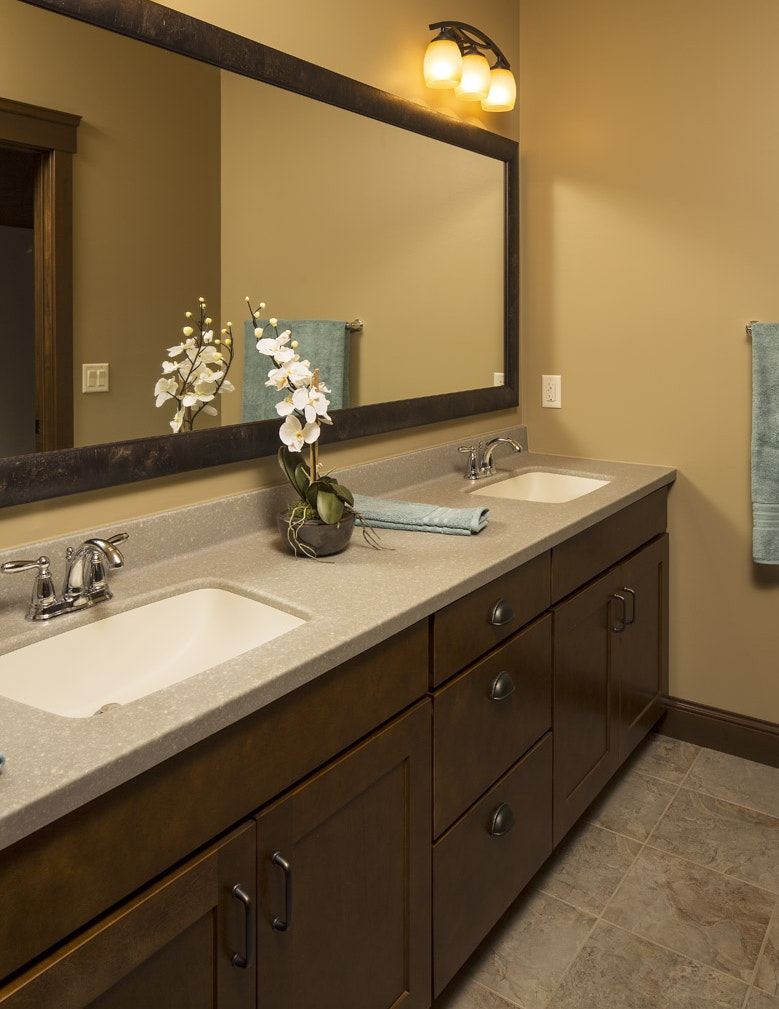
454, 60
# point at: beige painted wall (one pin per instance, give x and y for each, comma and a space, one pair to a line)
343, 35
650, 139
140, 259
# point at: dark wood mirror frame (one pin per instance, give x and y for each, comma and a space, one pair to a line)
69, 471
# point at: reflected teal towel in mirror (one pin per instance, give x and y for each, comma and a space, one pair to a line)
323, 342
765, 442
382, 513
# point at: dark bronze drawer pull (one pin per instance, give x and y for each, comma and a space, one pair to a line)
502, 687
284, 924
246, 960
632, 595
502, 820
622, 625
502, 613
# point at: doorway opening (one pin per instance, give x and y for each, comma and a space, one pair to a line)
36, 299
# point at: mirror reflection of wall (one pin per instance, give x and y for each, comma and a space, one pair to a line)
189, 181
330, 215
140, 257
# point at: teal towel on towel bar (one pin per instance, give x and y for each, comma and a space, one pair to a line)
323, 342
765, 442
382, 513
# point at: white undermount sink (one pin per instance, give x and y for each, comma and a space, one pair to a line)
542, 485
128, 655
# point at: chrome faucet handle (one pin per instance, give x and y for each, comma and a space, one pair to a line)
43, 602
472, 463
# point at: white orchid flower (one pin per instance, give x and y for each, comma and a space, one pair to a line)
311, 404
211, 411
300, 373
179, 349
285, 407
295, 436
277, 378
178, 418
169, 366
166, 388
210, 355
275, 347
226, 386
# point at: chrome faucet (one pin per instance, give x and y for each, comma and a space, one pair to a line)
479, 464
85, 579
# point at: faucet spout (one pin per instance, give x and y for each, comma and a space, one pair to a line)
487, 466
85, 580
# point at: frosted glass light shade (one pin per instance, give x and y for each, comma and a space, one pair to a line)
503, 91
474, 83
443, 62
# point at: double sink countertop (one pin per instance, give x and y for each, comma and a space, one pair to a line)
349, 603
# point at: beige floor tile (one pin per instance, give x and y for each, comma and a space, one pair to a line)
767, 977
699, 913
468, 994
736, 780
663, 757
759, 1000
732, 839
588, 867
632, 805
616, 970
524, 960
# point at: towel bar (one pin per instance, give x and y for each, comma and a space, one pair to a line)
749, 327
355, 326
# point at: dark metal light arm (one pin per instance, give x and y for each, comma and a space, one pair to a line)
469, 38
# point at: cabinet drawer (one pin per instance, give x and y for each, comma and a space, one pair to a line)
482, 725
582, 557
470, 627
476, 875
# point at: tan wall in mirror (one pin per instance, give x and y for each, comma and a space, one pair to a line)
385, 51
329, 215
140, 259
650, 216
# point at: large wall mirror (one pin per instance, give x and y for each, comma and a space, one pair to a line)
210, 165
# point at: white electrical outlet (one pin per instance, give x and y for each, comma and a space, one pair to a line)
497, 378
551, 391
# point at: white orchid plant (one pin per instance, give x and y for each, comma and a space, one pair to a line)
197, 370
304, 409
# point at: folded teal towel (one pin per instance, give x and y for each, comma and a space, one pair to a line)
426, 518
323, 342
765, 442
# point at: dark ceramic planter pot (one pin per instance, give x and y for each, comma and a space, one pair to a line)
318, 539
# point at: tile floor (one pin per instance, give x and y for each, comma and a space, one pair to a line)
666, 896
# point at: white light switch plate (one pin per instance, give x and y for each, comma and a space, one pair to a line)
94, 378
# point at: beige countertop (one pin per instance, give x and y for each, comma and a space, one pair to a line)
350, 602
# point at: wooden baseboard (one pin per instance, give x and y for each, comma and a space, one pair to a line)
738, 735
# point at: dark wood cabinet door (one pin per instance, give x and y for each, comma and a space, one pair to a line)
585, 700
642, 648
349, 889
171, 946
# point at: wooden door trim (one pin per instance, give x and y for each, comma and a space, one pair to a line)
52, 135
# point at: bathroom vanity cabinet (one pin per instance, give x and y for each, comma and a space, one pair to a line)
376, 822
336, 778
610, 650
